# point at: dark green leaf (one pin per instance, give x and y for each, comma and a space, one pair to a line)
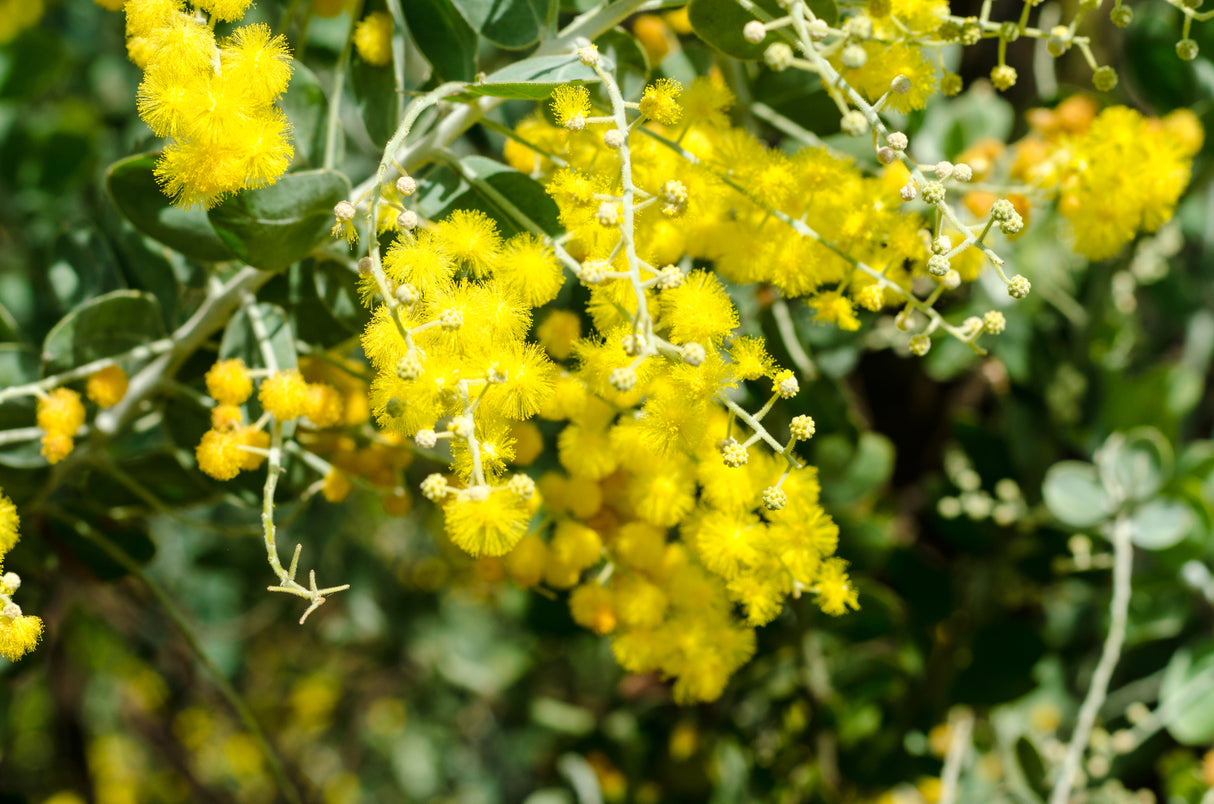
632, 65
132, 184
512, 24
276, 226
374, 89
534, 78
720, 23
487, 186
307, 108
104, 327
130, 540
9, 329
444, 37
240, 338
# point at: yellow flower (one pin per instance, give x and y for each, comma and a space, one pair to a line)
373, 38
284, 395
9, 524
660, 101
60, 412
229, 383
107, 387
485, 521
592, 607
698, 310
18, 635
225, 10
219, 454
570, 105
472, 240
531, 269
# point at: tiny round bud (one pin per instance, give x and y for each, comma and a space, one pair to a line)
11, 610
426, 439
592, 272
344, 211
607, 214
365, 265
754, 32
451, 319
462, 426
897, 140
634, 344
1104, 79
623, 379
407, 295
802, 428
942, 244
951, 84
522, 486
670, 277
588, 55
859, 27
1009, 31
613, 138
734, 454
854, 123
434, 487
674, 192
1002, 210
778, 56
993, 322
11, 580
905, 319
785, 385
933, 193
1121, 16
1012, 225
900, 85
943, 170
774, 499
576, 123
818, 30
406, 185
407, 220
1003, 77
937, 265
971, 33
854, 56
1187, 49
920, 344
872, 298
693, 353
963, 172
1123, 741
1059, 41
951, 280
410, 366
1018, 287
496, 375
909, 191
886, 155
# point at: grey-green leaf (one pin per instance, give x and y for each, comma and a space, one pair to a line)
1160, 524
1075, 496
132, 185
444, 37
512, 24
1187, 695
534, 78
102, 327
276, 226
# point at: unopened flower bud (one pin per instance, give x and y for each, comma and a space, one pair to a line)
592, 272
11, 580
854, 123
886, 155
613, 138
937, 265
1059, 41
1104, 79
754, 32
407, 220
859, 27
11, 610
462, 426
897, 140
951, 280
734, 454
951, 84
933, 193
426, 439
920, 344
942, 244
693, 353
1012, 225
943, 170
434, 487
993, 322
588, 55
774, 499
785, 384
854, 56
1018, 287
623, 379
909, 191
522, 486
451, 319
1003, 77
670, 277
344, 211
963, 172
778, 56
1121, 16
365, 265
802, 428
409, 367
900, 85
1187, 49
818, 30
1002, 210
607, 214
407, 295
575, 123
406, 185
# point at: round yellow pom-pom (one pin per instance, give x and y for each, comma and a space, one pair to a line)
484, 521
592, 608
9, 523
56, 447
526, 561
336, 486
284, 395
324, 407
107, 387
258, 439
226, 10
226, 417
219, 454
373, 38
61, 412
229, 382
576, 545
19, 635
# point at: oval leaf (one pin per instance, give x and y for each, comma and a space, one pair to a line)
1160, 524
1075, 496
444, 38
276, 226
534, 78
512, 24
500, 192
1187, 692
103, 327
132, 185
306, 106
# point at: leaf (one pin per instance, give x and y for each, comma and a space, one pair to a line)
240, 338
83, 267
307, 108
133, 541
19, 365
720, 23
9, 329
1187, 693
534, 78
977, 114
632, 65
276, 226
1075, 496
1160, 524
444, 38
106, 326
870, 465
337, 289
1136, 463
487, 185
511, 24
374, 89
132, 185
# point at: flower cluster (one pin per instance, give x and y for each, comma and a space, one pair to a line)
214, 101
60, 412
19, 632
231, 446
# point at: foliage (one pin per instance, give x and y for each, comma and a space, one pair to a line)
731, 400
